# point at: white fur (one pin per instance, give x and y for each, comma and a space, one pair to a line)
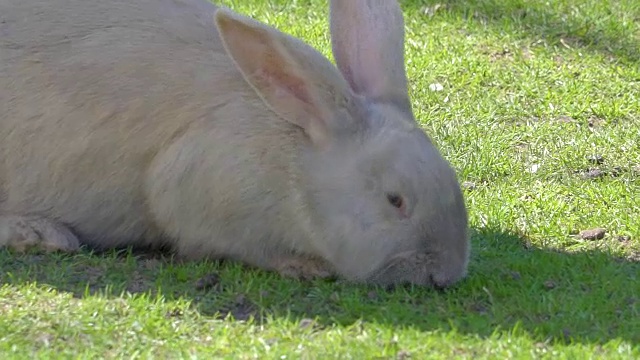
150, 122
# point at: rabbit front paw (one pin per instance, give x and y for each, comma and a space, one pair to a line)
21, 233
304, 268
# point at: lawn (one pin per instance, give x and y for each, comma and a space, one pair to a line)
535, 103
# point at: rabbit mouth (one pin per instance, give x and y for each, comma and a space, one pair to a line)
407, 268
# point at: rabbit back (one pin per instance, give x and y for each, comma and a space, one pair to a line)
110, 136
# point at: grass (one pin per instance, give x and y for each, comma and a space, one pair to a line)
532, 91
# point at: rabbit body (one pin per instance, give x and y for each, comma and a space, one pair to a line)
149, 122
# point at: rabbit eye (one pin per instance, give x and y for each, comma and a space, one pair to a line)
395, 200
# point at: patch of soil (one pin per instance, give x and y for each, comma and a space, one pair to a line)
594, 121
469, 185
479, 308
241, 309
500, 55
565, 119
207, 282
139, 283
515, 275
174, 313
624, 239
550, 285
593, 234
592, 174
597, 173
151, 264
92, 276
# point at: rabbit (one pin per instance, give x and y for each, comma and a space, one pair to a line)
182, 124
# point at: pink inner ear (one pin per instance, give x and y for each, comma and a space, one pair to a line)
269, 64
285, 84
289, 94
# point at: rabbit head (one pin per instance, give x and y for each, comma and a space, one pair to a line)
380, 202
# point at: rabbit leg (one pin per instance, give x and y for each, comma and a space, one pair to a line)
303, 267
23, 232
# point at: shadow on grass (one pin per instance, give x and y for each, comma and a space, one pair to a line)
588, 296
592, 26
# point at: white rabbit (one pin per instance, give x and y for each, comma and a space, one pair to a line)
174, 122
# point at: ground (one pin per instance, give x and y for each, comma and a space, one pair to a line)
537, 106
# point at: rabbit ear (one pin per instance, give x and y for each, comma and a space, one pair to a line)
268, 62
367, 37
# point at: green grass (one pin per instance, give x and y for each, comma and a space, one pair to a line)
527, 85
